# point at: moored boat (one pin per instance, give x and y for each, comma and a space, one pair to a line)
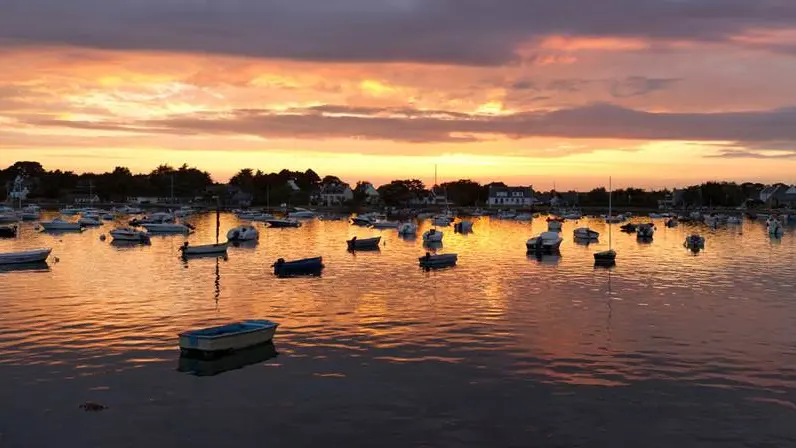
283, 223
407, 228
774, 226
31, 256
645, 231
606, 257
306, 266
300, 213
363, 243
463, 226
694, 242
89, 221
227, 338
585, 233
206, 249
546, 242
243, 233
438, 261
385, 225
554, 225
59, 225
130, 235
167, 228
672, 222
8, 231
629, 228
30, 213
432, 236
442, 220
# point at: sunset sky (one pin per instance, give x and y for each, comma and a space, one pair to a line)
653, 92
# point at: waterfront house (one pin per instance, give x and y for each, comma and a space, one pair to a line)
335, 193
510, 196
370, 193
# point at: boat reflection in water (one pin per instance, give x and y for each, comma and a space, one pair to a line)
545, 259
25, 267
198, 366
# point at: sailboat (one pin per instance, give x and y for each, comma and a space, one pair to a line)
433, 235
217, 249
607, 257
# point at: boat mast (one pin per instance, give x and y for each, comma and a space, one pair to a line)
610, 213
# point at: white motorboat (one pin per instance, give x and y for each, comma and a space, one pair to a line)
364, 220
645, 231
30, 213
545, 242
407, 228
385, 225
31, 256
129, 234
207, 249
585, 233
572, 215
610, 219
243, 233
89, 221
59, 225
167, 228
432, 236
554, 225
300, 213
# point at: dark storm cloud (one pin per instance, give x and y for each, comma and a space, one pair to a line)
595, 121
479, 32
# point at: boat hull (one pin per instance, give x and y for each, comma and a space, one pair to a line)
28, 257
307, 266
438, 261
283, 224
209, 249
215, 341
363, 244
8, 232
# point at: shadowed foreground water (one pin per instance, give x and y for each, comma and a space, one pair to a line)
666, 349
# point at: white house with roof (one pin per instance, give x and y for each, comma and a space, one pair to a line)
510, 196
372, 195
335, 193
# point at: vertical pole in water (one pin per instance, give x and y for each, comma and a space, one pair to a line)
218, 216
610, 217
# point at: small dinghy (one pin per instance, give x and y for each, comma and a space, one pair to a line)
215, 341
553, 225
429, 261
629, 228
207, 249
407, 228
694, 242
129, 235
607, 257
306, 266
243, 233
283, 223
546, 242
364, 243
8, 231
27, 257
362, 220
463, 227
585, 233
672, 222
432, 236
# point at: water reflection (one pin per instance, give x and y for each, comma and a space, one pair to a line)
25, 267
236, 360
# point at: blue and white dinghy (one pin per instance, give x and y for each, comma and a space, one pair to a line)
215, 341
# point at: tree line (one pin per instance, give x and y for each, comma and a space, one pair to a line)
275, 188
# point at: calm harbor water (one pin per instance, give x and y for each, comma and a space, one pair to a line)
665, 349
